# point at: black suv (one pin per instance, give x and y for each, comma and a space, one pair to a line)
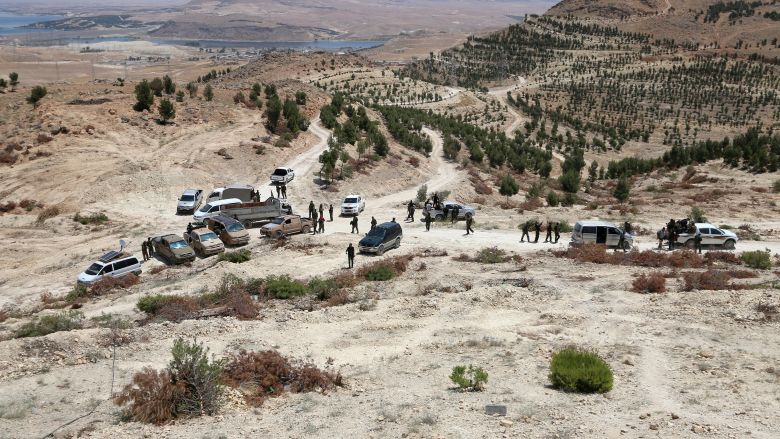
383, 237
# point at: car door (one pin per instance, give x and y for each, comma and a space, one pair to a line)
716, 237
613, 237
287, 226
601, 235
706, 236
108, 270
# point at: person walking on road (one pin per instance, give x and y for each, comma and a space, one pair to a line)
354, 224
428, 220
322, 223
410, 211
351, 256
557, 230
373, 223
330, 212
526, 227
548, 237
469, 222
537, 230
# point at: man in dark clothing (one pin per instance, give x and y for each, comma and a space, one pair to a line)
548, 237
373, 223
697, 242
330, 212
311, 211
351, 255
410, 211
455, 211
537, 229
435, 200
392, 220
526, 227
144, 250
322, 209
670, 230
469, 222
557, 230
428, 220
661, 235
622, 241
284, 191
150, 246
189, 227
278, 191
354, 224
627, 227
322, 223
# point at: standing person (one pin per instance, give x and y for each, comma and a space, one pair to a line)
469, 222
670, 231
627, 227
409, 207
411, 211
330, 212
354, 224
435, 200
189, 228
322, 223
661, 235
548, 237
455, 211
428, 220
537, 230
557, 230
622, 241
311, 211
373, 223
278, 191
322, 209
526, 227
150, 246
284, 191
351, 255
697, 241
144, 250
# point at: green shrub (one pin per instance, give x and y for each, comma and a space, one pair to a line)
553, 199
569, 199
757, 259
380, 273
576, 370
151, 304
776, 185
64, 321
422, 193
79, 290
236, 257
491, 255
726, 226
96, 218
323, 289
697, 215
565, 227
190, 364
284, 287
469, 378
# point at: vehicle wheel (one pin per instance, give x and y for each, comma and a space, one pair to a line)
439, 217
381, 250
691, 244
305, 230
278, 234
398, 243
729, 245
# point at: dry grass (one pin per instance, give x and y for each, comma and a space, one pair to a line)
713, 280
651, 283
599, 254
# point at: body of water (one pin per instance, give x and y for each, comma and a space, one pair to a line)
330, 45
11, 23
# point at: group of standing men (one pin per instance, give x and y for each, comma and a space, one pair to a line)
281, 191
552, 227
319, 220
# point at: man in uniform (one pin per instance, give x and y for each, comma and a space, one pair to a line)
622, 241
661, 234
537, 229
526, 227
435, 200
278, 191
557, 230
455, 211
548, 237
150, 247
697, 241
311, 211
189, 228
670, 231
144, 250
410, 211
330, 212
322, 209
351, 255
354, 224
284, 191
322, 223
469, 222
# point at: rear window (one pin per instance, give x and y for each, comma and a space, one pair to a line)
350, 200
280, 172
187, 198
589, 229
235, 227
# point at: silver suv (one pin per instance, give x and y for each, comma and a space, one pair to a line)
189, 201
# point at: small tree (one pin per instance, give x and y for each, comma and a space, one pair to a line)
422, 193
362, 147
179, 96
157, 86
167, 110
14, 77
273, 112
509, 186
570, 181
37, 93
300, 98
469, 378
697, 215
168, 86
622, 190
192, 89
208, 93
144, 96
593, 171
3, 84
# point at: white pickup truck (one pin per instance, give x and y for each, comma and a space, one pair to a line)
256, 213
710, 235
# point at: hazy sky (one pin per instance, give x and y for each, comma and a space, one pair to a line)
72, 3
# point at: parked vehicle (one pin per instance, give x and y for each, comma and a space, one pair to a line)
381, 238
237, 190
283, 175
111, 264
286, 225
257, 212
446, 208
352, 205
189, 201
710, 235
213, 208
230, 231
204, 241
173, 248
600, 232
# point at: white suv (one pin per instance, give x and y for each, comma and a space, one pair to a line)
710, 235
283, 175
113, 264
353, 205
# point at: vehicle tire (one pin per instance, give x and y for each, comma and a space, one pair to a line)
305, 229
729, 245
398, 243
278, 234
691, 244
381, 250
626, 246
439, 217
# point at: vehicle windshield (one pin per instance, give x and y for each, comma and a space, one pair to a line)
277, 220
187, 198
205, 208
94, 269
379, 233
178, 244
208, 236
235, 227
350, 200
280, 172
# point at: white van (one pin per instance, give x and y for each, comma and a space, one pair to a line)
599, 232
213, 208
113, 264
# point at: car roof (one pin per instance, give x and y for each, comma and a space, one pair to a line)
352, 196
389, 225
190, 191
171, 237
706, 225
225, 220
225, 201
595, 223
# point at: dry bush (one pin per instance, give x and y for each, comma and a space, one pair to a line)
532, 204
109, 283
158, 269
310, 378
721, 256
29, 205
770, 311
414, 161
176, 309
598, 254
152, 395
338, 298
706, 280
49, 212
397, 265
480, 187
240, 305
741, 274
652, 283
7, 207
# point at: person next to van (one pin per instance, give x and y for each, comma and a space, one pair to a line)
436, 200
145, 250
322, 223
661, 235
670, 231
557, 230
354, 224
697, 241
622, 241
469, 222
410, 211
526, 227
150, 247
312, 209
351, 255
455, 211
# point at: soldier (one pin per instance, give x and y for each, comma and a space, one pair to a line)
557, 230
410, 211
697, 241
150, 245
455, 211
548, 238
144, 251
661, 235
322, 209
670, 231
311, 211
189, 228
278, 191
526, 227
330, 212
627, 227
435, 200
284, 191
469, 222
351, 255
373, 223
322, 223
537, 230
354, 224
428, 220
622, 241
